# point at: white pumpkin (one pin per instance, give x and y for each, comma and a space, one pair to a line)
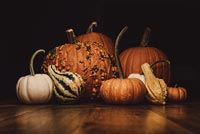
34, 88
138, 76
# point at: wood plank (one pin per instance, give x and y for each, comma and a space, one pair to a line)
89, 119
185, 114
11, 111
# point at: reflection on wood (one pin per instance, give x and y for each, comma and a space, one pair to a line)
161, 124
35, 120
97, 119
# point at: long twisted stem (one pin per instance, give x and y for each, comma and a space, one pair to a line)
121, 75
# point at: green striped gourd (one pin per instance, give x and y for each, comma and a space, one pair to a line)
69, 86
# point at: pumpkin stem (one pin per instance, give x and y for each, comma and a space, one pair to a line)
117, 51
71, 36
152, 64
32, 72
145, 38
176, 85
91, 26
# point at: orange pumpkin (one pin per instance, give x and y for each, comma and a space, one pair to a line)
123, 91
89, 59
97, 37
132, 59
120, 90
177, 94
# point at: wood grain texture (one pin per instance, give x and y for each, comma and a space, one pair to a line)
99, 119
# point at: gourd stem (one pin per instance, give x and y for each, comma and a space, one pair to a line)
145, 38
176, 85
117, 51
32, 72
92, 25
152, 64
71, 36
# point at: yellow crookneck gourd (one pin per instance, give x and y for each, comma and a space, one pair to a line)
156, 88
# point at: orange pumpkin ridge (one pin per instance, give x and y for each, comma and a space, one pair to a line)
177, 94
132, 59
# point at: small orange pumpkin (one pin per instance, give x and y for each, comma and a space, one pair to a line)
97, 37
177, 94
119, 90
123, 91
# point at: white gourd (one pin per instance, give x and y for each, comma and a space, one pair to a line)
138, 76
34, 88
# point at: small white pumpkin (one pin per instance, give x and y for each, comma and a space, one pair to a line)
138, 76
34, 88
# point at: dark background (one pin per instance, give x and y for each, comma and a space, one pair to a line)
30, 25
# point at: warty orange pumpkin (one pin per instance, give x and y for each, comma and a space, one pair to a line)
89, 59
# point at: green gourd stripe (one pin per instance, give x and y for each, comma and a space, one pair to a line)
63, 95
79, 83
61, 88
79, 90
57, 81
65, 86
63, 98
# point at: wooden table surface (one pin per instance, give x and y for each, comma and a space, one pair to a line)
99, 118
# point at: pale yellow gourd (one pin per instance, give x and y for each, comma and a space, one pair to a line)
34, 88
156, 88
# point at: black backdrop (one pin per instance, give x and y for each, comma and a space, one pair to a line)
28, 26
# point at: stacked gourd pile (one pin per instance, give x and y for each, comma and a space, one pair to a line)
90, 68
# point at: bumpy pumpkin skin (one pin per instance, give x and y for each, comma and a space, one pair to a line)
132, 59
92, 36
123, 91
88, 59
98, 37
177, 94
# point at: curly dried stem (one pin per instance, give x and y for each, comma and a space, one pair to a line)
145, 38
32, 72
117, 51
92, 25
152, 64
